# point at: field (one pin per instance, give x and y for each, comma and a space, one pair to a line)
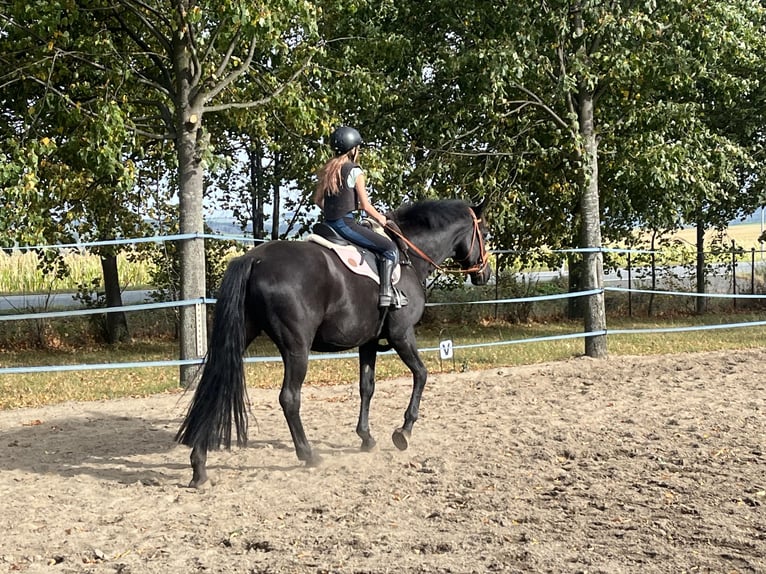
20, 274
628, 465
744, 234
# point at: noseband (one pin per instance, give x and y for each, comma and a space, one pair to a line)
475, 237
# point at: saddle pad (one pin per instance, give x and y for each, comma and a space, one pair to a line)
352, 257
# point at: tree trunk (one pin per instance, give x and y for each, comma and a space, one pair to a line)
116, 322
190, 146
575, 305
275, 209
701, 301
593, 266
257, 187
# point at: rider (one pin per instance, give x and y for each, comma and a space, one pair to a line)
339, 193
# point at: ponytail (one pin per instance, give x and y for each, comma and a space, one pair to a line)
330, 181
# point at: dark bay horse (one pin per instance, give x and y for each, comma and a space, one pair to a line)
303, 298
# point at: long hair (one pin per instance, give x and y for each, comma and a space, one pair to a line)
329, 175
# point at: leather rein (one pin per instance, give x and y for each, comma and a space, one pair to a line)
476, 236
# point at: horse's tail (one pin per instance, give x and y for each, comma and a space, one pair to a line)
221, 395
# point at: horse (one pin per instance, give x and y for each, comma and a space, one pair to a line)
303, 297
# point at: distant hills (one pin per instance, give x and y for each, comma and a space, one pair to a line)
228, 226
752, 218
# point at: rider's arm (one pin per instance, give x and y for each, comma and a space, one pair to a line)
364, 201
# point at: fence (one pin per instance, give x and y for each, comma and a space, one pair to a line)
497, 301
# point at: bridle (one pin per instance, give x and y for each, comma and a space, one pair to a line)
475, 237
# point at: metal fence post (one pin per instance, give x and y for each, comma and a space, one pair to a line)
752, 270
630, 287
734, 270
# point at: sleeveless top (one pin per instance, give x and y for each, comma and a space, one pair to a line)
345, 201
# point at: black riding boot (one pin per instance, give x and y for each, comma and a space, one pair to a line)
385, 270
388, 295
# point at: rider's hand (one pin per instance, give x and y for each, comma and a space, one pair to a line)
391, 224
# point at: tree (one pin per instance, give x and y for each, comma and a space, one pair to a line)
176, 61
694, 135
583, 117
80, 185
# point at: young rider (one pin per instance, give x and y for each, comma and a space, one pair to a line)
341, 192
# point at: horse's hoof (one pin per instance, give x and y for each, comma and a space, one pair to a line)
313, 461
368, 444
199, 475
200, 483
401, 439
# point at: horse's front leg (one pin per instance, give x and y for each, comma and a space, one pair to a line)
408, 352
367, 357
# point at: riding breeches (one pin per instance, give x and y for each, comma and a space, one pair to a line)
349, 229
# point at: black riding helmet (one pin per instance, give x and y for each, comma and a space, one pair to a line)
345, 139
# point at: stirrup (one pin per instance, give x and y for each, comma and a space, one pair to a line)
397, 300
386, 299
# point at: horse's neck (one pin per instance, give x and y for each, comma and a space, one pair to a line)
437, 246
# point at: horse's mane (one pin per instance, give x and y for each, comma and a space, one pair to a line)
430, 214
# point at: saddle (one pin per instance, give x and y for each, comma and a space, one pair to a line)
359, 260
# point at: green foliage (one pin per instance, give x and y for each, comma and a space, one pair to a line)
20, 218
470, 100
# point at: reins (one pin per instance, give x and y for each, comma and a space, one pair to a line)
483, 255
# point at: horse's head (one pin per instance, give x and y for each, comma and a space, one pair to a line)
435, 230
471, 252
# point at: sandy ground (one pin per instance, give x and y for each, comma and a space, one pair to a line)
635, 464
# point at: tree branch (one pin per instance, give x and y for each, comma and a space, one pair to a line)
153, 135
264, 100
197, 71
151, 54
162, 39
234, 75
229, 51
212, 41
538, 102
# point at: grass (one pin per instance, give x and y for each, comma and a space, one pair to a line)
27, 390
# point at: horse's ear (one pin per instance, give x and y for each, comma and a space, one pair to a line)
478, 209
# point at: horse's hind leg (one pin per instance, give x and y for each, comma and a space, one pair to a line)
198, 463
367, 357
296, 365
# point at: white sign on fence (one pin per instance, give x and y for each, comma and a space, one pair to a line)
445, 349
